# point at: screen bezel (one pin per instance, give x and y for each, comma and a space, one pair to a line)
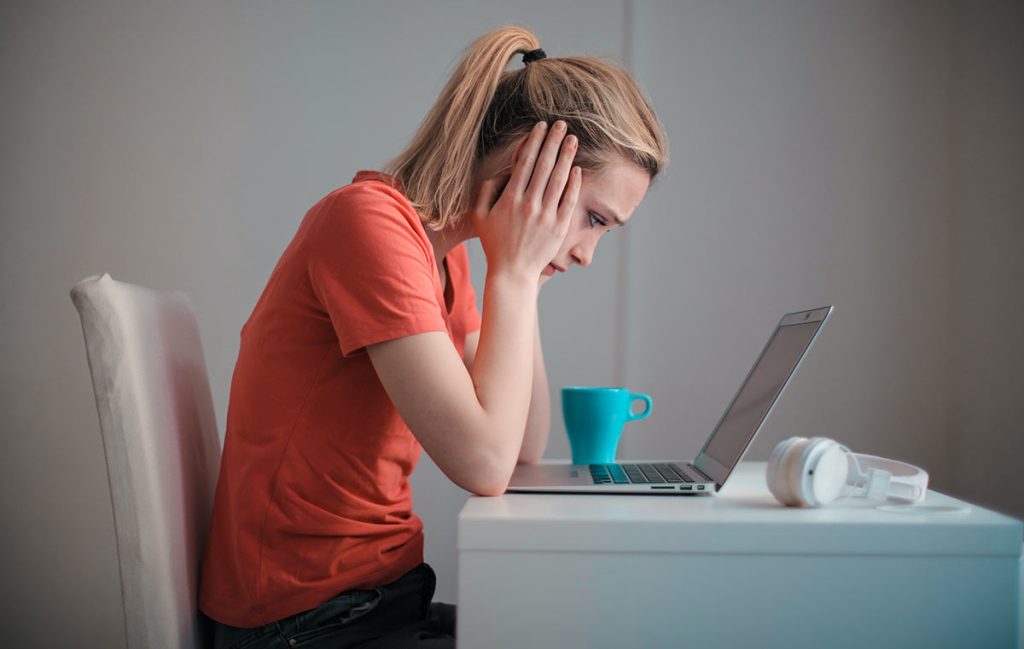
709, 466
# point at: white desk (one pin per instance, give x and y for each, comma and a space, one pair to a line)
733, 570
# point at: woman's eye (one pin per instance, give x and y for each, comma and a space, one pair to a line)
595, 220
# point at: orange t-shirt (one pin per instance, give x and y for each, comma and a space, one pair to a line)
313, 496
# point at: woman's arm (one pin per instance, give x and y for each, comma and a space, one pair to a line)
471, 422
538, 421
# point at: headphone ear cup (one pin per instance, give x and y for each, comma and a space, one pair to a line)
830, 475
820, 473
793, 471
777, 474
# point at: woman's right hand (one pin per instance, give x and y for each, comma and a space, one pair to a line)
523, 230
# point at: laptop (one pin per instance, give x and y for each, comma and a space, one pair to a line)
723, 449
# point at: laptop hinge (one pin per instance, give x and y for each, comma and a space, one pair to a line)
699, 472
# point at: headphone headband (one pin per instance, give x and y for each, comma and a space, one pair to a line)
904, 481
814, 472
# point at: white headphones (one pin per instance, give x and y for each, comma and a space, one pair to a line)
814, 472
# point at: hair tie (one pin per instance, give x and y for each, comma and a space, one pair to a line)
535, 55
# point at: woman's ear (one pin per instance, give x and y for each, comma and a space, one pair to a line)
507, 158
501, 162
502, 183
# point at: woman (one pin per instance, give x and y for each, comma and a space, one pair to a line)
367, 344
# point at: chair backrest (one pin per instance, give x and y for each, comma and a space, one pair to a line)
160, 439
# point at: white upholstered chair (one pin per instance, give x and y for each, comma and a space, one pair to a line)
160, 439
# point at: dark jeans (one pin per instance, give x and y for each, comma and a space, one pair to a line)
398, 615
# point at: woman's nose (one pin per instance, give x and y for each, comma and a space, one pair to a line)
583, 253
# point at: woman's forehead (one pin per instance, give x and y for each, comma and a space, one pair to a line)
618, 188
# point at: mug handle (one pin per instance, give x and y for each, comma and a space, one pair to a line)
637, 396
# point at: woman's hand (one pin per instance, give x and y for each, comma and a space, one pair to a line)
523, 230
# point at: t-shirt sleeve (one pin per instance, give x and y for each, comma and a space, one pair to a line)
371, 267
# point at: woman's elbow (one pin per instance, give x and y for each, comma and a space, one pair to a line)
492, 483
480, 475
490, 490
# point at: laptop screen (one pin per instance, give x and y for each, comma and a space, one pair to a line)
759, 392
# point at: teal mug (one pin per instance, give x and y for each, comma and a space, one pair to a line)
594, 418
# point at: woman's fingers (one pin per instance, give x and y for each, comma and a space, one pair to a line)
560, 174
526, 158
572, 194
538, 172
545, 163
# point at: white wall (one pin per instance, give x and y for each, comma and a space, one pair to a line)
817, 151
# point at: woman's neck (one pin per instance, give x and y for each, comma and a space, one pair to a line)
443, 241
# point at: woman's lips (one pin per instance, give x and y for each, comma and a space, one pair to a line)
551, 269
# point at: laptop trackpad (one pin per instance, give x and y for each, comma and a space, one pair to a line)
550, 475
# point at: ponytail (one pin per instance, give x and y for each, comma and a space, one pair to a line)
483, 108
437, 169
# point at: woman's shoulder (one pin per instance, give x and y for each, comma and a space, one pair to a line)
369, 211
374, 176
372, 195
370, 185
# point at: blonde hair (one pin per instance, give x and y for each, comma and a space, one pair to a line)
483, 108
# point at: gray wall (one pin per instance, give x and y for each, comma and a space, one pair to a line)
864, 154
987, 263
811, 168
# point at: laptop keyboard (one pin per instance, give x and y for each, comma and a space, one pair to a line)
637, 473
